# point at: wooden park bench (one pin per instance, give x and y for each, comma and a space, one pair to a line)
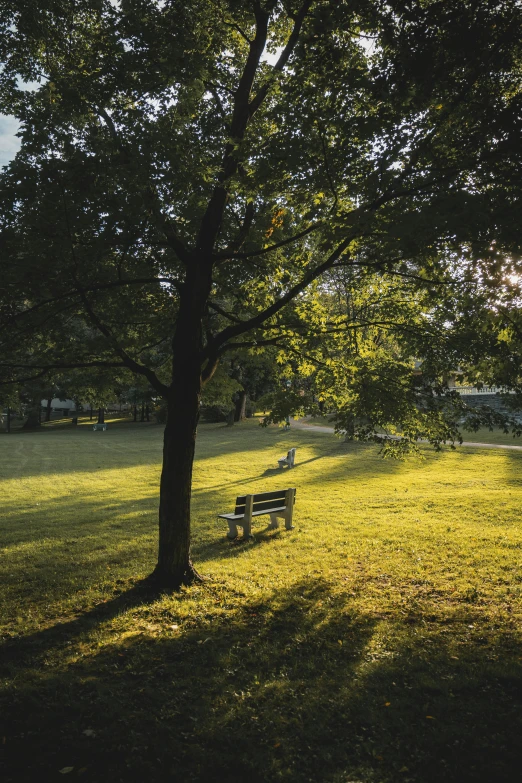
288, 460
279, 504
96, 427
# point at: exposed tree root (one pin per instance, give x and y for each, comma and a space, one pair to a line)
175, 579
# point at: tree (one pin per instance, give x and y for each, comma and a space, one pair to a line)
192, 172
241, 375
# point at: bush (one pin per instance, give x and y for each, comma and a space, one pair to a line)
213, 414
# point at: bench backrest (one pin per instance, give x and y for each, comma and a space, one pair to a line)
263, 501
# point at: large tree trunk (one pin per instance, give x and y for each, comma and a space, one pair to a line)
48, 409
101, 416
174, 567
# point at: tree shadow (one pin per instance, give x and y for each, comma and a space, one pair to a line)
223, 548
297, 686
34, 645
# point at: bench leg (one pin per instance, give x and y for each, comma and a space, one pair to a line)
274, 522
247, 529
247, 520
289, 503
232, 529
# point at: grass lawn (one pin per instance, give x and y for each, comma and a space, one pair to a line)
379, 641
483, 435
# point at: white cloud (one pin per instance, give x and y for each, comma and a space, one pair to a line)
9, 143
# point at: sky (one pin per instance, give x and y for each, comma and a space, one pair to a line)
9, 144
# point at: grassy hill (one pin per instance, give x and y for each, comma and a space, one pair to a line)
377, 641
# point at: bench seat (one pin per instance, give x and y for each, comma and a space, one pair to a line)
278, 504
254, 513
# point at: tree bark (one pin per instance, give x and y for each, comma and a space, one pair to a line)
8, 423
101, 416
240, 411
32, 420
33, 416
142, 415
174, 567
135, 412
48, 409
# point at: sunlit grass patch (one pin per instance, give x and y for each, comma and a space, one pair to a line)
482, 435
377, 641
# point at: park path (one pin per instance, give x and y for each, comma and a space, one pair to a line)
302, 425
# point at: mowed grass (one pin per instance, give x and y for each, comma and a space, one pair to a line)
378, 641
482, 435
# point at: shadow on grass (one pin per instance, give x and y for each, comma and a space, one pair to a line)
222, 547
284, 474
34, 646
51, 518
296, 688
126, 445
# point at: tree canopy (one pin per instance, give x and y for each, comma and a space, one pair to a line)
201, 178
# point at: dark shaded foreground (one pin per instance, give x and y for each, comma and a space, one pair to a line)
294, 689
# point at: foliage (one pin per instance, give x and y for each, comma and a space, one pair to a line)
214, 414
402, 139
359, 336
221, 388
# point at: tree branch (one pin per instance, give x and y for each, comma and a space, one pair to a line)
48, 367
225, 255
243, 110
244, 229
224, 313
129, 362
102, 287
238, 29
250, 344
275, 307
61, 365
213, 216
283, 57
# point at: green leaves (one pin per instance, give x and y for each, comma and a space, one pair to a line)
368, 186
